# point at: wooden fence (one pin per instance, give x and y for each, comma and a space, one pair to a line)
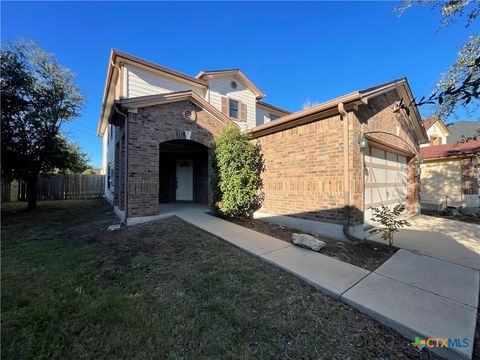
58, 187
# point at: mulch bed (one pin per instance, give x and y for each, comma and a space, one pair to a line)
368, 255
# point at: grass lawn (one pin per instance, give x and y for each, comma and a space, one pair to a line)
70, 289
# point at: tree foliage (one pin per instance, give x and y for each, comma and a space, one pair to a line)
389, 221
237, 166
38, 97
459, 86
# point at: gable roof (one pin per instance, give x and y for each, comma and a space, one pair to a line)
461, 129
428, 123
232, 72
450, 150
350, 101
157, 99
113, 73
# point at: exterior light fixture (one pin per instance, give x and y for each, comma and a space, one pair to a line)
188, 134
362, 142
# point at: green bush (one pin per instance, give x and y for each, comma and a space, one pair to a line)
237, 166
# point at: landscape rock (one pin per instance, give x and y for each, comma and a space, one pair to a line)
114, 227
308, 241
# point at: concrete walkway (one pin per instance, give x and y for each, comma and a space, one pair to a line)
454, 241
416, 294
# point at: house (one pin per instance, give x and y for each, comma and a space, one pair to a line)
325, 166
437, 132
450, 175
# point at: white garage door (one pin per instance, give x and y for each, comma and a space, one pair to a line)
385, 180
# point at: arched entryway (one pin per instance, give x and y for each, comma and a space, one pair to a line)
183, 172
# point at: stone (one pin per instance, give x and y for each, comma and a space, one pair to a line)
308, 241
114, 227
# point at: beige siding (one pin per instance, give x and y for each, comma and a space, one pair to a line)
221, 87
441, 179
141, 82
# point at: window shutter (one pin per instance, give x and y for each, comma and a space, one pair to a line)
225, 105
243, 112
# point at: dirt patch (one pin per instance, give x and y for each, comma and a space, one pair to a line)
368, 255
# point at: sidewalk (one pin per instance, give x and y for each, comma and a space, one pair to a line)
417, 295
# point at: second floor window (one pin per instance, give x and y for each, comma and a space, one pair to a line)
233, 108
273, 116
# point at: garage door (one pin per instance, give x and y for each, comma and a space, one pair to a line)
385, 180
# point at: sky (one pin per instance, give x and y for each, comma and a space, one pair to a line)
294, 52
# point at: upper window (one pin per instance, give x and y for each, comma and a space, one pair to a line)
273, 117
233, 108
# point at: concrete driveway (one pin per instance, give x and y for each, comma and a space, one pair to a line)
430, 288
454, 241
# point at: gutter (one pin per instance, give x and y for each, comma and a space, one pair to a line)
346, 173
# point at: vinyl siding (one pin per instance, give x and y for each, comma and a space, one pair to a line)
221, 87
141, 83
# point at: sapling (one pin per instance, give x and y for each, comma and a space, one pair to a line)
389, 221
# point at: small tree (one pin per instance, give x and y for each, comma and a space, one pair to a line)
38, 97
389, 221
237, 165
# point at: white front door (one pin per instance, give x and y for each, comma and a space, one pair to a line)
184, 190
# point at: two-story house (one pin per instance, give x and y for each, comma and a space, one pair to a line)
325, 167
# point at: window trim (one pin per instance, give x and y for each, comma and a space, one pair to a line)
230, 108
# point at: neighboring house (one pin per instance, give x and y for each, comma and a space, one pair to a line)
460, 130
325, 166
450, 175
437, 132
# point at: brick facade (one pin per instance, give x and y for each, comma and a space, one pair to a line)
394, 129
304, 171
304, 165
148, 128
304, 174
470, 181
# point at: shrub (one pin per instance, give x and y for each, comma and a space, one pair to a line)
237, 166
389, 221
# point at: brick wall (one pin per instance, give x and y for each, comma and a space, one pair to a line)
304, 165
379, 121
147, 129
470, 181
304, 171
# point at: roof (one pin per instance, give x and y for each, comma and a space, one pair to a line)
350, 101
232, 72
461, 129
428, 123
151, 100
276, 108
450, 150
116, 57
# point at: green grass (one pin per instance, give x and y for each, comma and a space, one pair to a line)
70, 289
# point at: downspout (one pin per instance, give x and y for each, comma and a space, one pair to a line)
125, 182
346, 174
